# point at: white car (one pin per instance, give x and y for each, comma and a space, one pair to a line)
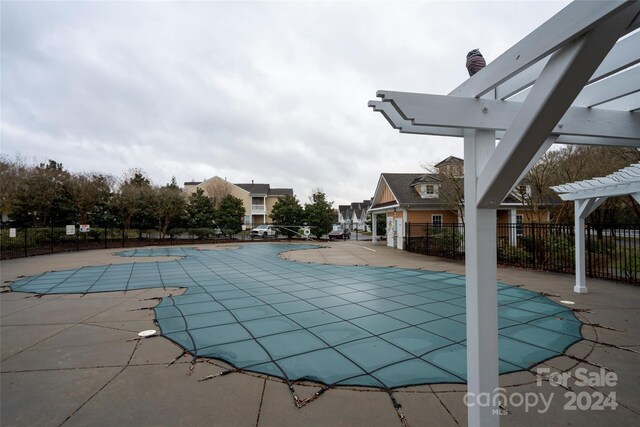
264, 230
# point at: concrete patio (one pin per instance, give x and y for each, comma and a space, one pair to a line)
76, 360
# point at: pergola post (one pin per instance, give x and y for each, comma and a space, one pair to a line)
374, 226
513, 229
480, 263
581, 275
583, 208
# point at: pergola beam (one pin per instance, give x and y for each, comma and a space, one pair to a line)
405, 126
489, 114
558, 85
587, 140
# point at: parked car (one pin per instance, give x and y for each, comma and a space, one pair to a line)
264, 230
341, 233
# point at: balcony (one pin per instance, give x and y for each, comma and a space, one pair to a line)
258, 210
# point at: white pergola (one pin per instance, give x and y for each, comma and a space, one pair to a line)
587, 196
573, 80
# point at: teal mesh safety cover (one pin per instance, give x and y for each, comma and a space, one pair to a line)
337, 325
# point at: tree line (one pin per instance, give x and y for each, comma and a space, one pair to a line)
289, 214
47, 194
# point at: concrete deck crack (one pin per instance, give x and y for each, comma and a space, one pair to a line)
264, 386
70, 326
105, 385
444, 406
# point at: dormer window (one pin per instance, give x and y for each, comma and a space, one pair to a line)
523, 191
428, 191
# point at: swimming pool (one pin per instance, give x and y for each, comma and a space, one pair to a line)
337, 325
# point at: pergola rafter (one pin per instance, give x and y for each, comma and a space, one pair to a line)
571, 81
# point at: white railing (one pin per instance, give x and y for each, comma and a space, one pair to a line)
258, 209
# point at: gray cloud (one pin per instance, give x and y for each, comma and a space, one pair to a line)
274, 92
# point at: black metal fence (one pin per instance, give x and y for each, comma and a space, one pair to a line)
18, 242
612, 252
443, 240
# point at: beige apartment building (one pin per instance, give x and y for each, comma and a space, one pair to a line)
258, 199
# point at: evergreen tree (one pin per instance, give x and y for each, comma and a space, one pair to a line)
200, 211
135, 202
319, 214
287, 211
229, 215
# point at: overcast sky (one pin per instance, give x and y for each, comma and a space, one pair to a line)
274, 92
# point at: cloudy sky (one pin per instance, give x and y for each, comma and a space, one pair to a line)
274, 92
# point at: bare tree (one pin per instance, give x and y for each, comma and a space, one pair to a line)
451, 192
576, 163
217, 189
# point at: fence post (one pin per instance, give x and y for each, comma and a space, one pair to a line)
25, 240
426, 239
105, 237
453, 241
51, 236
407, 236
77, 233
533, 242
589, 264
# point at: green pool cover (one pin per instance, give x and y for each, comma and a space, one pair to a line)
337, 325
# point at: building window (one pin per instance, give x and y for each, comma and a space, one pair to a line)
436, 221
524, 191
519, 225
428, 191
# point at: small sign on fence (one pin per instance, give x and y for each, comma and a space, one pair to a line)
71, 230
84, 228
12, 232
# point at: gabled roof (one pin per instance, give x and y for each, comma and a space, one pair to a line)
265, 190
261, 189
400, 185
253, 188
450, 159
357, 208
192, 186
280, 192
428, 178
